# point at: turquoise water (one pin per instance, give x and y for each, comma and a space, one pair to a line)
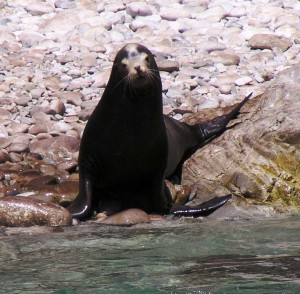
261, 256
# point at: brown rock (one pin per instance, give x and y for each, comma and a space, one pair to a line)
167, 65
23, 212
39, 128
224, 58
74, 98
266, 41
52, 84
85, 114
40, 116
61, 146
4, 156
127, 217
15, 128
57, 107
18, 147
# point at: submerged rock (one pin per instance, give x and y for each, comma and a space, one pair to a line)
23, 212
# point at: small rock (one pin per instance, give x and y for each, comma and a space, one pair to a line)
15, 128
224, 58
4, 157
18, 147
167, 65
244, 80
39, 128
57, 107
61, 127
61, 146
16, 211
39, 8
127, 217
65, 4
138, 8
268, 41
4, 114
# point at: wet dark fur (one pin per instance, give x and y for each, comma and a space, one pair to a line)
129, 147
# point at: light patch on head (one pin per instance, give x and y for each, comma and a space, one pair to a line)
132, 50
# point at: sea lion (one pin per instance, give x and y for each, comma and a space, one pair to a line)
129, 147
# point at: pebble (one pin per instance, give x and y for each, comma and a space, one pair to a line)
138, 8
266, 41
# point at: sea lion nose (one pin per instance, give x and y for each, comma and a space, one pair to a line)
137, 68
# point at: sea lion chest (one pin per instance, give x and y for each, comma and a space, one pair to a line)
124, 143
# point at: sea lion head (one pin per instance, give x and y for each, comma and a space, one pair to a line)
136, 67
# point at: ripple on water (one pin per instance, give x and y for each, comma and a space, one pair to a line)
192, 257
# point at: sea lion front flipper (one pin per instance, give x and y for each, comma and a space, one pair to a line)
203, 209
81, 208
213, 127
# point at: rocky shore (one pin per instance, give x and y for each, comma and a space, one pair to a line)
56, 57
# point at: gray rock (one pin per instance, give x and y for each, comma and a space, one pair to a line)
256, 160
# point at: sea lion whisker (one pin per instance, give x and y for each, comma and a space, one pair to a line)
118, 84
154, 78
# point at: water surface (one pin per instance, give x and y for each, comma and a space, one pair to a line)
248, 256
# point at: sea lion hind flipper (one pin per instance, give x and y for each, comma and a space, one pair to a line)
203, 209
215, 126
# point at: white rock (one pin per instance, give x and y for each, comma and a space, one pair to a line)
244, 80
138, 8
215, 13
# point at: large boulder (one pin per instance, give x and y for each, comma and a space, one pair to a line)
258, 159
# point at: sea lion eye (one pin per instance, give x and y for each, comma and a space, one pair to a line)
147, 59
124, 64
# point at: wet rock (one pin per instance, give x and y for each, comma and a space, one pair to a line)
65, 4
61, 146
265, 41
44, 188
127, 217
23, 212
